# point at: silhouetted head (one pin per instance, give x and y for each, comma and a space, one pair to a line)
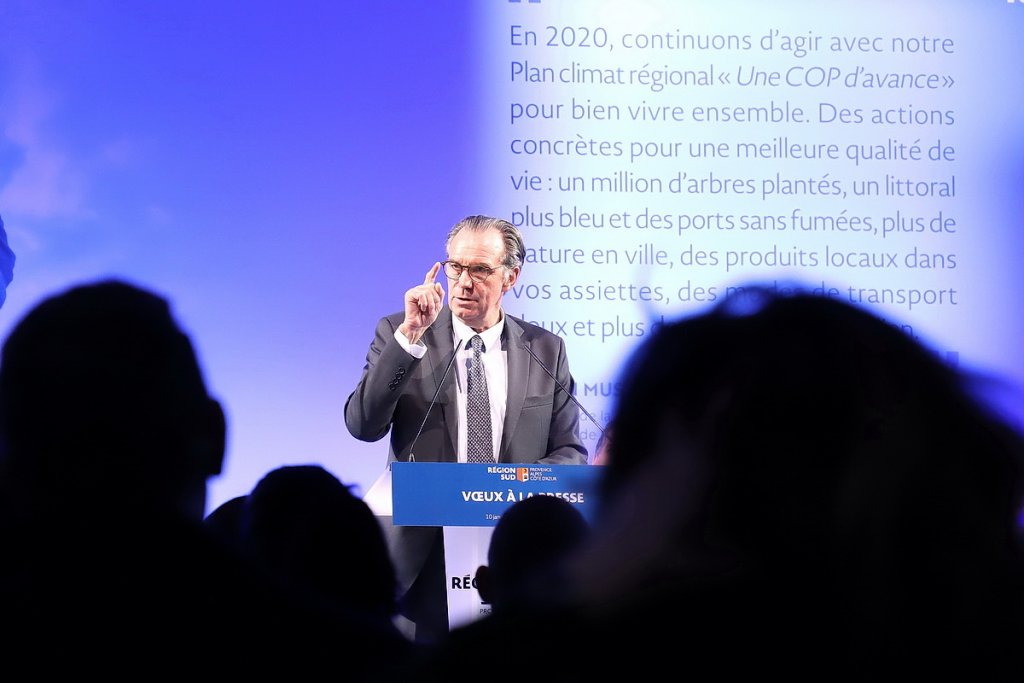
310, 531
803, 441
103, 404
798, 409
227, 519
529, 542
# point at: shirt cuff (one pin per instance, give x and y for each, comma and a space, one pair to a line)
417, 350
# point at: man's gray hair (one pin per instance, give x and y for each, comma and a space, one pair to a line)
510, 235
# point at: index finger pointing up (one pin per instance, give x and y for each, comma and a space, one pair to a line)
432, 273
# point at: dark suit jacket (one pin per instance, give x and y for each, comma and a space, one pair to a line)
541, 422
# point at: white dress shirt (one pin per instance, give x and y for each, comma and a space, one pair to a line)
495, 369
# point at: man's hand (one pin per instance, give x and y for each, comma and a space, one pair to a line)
422, 304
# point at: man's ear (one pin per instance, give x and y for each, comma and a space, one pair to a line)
510, 279
484, 584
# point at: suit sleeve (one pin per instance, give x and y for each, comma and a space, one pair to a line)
370, 408
564, 444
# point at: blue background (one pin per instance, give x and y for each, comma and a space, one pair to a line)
283, 172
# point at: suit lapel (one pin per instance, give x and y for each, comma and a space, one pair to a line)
518, 376
439, 350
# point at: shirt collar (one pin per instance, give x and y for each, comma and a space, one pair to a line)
491, 336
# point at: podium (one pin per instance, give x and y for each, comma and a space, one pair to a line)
467, 500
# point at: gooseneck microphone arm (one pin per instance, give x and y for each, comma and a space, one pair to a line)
560, 386
433, 400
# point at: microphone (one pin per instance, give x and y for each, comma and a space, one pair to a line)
433, 400
560, 386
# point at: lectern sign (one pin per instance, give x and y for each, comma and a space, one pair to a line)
465, 494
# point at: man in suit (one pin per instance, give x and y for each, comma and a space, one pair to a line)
533, 420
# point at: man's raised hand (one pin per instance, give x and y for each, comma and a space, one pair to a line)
422, 305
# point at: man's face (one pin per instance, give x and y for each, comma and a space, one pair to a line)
478, 304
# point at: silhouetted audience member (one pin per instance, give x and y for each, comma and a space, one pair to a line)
226, 520
307, 529
796, 489
805, 488
523, 581
108, 436
526, 550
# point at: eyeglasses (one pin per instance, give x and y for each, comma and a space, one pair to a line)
478, 273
